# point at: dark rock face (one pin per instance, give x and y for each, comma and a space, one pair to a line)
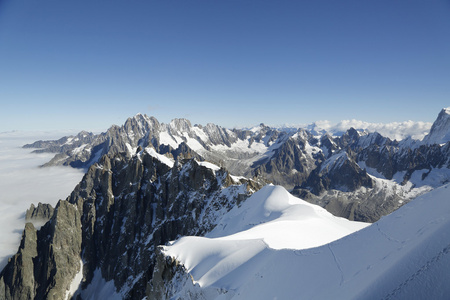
114, 220
341, 173
291, 164
42, 212
390, 159
47, 259
17, 280
167, 270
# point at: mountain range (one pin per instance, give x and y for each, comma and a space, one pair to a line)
357, 175
175, 211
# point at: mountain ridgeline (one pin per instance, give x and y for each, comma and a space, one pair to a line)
149, 183
351, 175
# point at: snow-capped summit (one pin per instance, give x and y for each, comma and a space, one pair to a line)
440, 131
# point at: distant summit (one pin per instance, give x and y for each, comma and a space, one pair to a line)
440, 131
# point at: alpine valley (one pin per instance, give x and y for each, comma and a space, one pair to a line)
182, 211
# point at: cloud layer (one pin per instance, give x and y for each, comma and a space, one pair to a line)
22, 182
394, 130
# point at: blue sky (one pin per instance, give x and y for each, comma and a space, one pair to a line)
89, 64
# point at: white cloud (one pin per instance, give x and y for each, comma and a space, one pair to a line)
394, 130
22, 182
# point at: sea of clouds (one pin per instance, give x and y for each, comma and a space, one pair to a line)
394, 130
23, 182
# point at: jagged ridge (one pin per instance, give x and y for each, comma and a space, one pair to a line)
113, 221
296, 160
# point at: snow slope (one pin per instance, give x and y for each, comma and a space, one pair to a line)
270, 219
281, 221
402, 256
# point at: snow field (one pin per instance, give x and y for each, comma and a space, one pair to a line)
404, 255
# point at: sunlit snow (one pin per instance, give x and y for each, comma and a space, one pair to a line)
270, 219
164, 159
404, 255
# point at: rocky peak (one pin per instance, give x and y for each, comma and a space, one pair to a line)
83, 134
140, 125
328, 145
263, 128
373, 138
177, 126
350, 137
440, 131
218, 135
41, 213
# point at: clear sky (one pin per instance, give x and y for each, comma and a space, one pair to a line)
87, 64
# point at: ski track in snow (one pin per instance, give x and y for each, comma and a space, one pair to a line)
421, 270
338, 265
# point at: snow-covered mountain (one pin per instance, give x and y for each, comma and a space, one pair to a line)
405, 255
149, 183
236, 149
375, 170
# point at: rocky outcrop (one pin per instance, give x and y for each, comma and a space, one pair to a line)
41, 213
167, 273
171, 280
17, 280
47, 259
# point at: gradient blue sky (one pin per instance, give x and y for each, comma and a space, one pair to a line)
87, 64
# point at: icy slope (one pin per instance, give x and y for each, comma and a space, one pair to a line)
270, 219
402, 256
282, 221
